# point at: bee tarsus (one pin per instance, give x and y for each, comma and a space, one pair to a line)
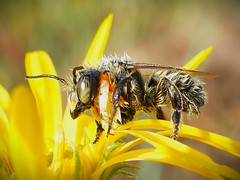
99, 131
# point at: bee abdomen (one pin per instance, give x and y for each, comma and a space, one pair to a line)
192, 92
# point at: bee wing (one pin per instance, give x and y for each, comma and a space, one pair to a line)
172, 68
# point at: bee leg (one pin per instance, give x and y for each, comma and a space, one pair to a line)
127, 115
99, 131
115, 99
177, 104
176, 117
160, 114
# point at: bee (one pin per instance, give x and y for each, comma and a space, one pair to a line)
116, 89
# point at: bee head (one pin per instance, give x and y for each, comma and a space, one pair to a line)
81, 90
80, 95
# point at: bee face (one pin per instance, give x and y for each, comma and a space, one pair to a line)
79, 97
83, 92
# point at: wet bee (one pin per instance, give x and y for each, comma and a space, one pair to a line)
116, 89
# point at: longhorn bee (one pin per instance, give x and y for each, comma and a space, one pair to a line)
118, 82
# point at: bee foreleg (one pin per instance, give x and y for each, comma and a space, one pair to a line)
116, 96
99, 131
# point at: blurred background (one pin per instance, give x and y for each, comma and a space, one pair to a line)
165, 32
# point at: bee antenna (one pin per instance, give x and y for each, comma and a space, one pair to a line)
48, 76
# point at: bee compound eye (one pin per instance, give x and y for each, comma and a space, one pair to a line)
83, 90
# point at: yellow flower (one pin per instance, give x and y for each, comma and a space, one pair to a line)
36, 142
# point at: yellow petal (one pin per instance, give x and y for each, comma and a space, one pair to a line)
147, 124
3, 174
126, 147
162, 156
99, 42
198, 59
58, 154
71, 168
67, 170
70, 126
200, 162
46, 91
172, 152
26, 136
215, 140
4, 98
80, 130
4, 125
151, 155
4, 129
221, 142
6, 166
